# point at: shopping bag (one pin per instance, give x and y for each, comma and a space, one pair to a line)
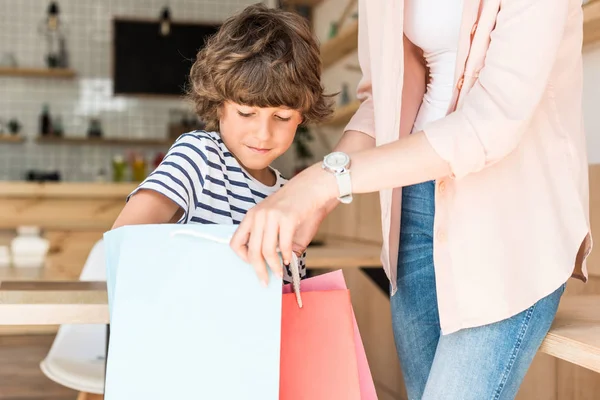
189, 319
324, 282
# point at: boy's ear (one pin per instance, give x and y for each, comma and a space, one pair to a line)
220, 112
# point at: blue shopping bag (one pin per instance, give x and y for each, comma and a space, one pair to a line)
189, 318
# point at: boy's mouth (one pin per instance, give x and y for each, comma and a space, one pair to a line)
259, 150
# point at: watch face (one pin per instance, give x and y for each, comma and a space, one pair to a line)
337, 160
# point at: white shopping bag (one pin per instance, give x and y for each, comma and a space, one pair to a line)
189, 319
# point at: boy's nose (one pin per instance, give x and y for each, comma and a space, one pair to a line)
263, 131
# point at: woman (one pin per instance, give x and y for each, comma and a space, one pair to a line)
471, 129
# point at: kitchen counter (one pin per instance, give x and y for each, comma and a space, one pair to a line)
65, 190
73, 216
60, 206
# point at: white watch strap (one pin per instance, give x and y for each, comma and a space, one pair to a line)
345, 186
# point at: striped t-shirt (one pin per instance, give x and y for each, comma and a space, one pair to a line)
201, 176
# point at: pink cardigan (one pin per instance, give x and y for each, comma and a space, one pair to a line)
512, 221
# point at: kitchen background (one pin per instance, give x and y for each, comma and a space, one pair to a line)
137, 125
46, 115
85, 99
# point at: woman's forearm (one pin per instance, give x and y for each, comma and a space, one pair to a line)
403, 162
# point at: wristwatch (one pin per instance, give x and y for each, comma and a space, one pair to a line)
338, 163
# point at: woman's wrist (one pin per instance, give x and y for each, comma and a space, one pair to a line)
325, 183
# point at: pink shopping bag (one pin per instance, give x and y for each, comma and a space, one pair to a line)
333, 281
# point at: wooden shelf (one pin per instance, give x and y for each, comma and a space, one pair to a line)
38, 72
344, 43
11, 139
575, 332
591, 22
343, 114
84, 141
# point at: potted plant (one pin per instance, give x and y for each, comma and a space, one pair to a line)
303, 152
14, 126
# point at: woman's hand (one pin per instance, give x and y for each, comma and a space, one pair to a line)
287, 219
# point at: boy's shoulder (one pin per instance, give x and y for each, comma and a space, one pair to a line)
201, 139
207, 144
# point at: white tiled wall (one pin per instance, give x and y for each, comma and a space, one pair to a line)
88, 25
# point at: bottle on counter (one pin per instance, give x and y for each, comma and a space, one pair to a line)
138, 167
119, 168
158, 158
45, 121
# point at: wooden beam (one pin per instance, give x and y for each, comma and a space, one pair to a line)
575, 333
343, 114
37, 72
4, 138
591, 22
344, 43
349, 6
85, 141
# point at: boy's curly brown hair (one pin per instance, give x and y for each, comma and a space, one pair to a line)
260, 57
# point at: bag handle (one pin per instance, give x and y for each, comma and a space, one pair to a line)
294, 265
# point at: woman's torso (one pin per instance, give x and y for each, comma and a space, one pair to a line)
512, 232
436, 33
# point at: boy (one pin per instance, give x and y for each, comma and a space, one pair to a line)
252, 84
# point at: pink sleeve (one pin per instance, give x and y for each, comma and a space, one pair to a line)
497, 110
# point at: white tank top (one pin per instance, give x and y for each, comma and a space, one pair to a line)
434, 25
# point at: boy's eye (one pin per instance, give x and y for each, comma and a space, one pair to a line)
283, 119
244, 114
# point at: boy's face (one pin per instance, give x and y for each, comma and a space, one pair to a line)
257, 136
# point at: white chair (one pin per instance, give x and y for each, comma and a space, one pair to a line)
77, 356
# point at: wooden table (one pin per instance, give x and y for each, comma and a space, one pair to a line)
53, 303
43, 302
574, 336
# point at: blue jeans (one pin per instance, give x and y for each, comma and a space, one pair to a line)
487, 362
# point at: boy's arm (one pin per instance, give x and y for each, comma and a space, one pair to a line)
148, 207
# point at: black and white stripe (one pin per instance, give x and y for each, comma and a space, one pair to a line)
201, 176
